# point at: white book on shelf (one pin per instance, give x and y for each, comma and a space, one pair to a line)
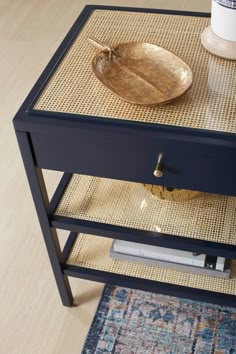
208, 265
158, 253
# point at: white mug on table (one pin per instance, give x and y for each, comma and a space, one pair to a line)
223, 19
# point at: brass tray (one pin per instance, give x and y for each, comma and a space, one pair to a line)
141, 73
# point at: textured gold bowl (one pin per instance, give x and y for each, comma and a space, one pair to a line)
177, 195
141, 73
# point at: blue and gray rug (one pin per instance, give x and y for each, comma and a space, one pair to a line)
137, 322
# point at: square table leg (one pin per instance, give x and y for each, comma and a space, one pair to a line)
40, 197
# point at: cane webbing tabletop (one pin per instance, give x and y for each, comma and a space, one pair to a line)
93, 252
209, 217
209, 104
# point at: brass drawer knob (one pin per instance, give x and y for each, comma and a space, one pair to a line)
158, 170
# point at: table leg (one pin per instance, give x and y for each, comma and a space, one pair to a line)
40, 197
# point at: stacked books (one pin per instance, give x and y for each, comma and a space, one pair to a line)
167, 257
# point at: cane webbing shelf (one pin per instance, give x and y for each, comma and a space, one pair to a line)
93, 252
208, 217
209, 104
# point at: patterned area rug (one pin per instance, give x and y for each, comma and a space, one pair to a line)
137, 322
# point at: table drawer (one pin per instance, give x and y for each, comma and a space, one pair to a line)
186, 163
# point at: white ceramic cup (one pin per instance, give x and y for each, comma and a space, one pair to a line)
223, 19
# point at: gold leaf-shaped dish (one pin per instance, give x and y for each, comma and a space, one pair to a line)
141, 73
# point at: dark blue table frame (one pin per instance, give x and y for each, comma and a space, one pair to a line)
37, 131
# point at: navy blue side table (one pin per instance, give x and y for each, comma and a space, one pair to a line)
69, 122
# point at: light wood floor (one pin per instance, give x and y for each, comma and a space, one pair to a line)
32, 319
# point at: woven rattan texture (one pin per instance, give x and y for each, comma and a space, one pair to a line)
93, 252
209, 217
209, 104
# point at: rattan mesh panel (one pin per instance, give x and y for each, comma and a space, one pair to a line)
209, 217
209, 104
93, 252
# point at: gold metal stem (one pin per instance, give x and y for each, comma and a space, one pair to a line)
101, 46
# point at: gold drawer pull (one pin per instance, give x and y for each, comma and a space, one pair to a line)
158, 171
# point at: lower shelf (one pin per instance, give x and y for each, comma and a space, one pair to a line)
92, 252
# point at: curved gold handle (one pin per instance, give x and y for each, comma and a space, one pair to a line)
158, 170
